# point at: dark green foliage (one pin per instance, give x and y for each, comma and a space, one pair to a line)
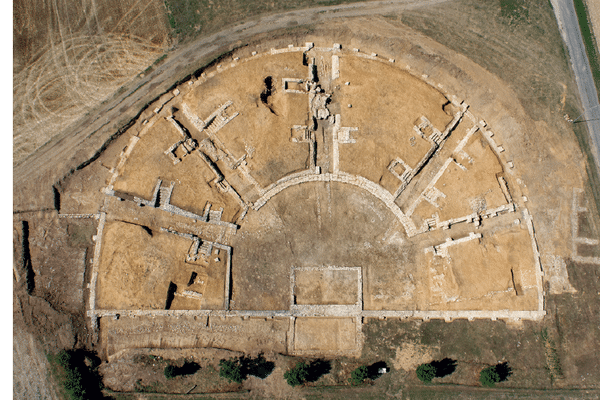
436, 369
359, 375
297, 375
494, 374
488, 377
514, 10
232, 370
77, 372
304, 372
188, 368
189, 18
426, 372
238, 369
588, 39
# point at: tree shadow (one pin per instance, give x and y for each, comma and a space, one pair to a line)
503, 371
81, 373
373, 370
189, 368
317, 369
444, 367
259, 366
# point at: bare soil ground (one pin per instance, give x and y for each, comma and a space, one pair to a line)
70, 58
548, 165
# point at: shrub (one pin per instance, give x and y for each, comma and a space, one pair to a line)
259, 366
426, 372
359, 375
77, 372
238, 369
494, 374
232, 370
297, 375
488, 377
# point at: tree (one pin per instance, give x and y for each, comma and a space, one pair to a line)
488, 376
496, 373
238, 369
259, 366
359, 375
297, 375
232, 369
170, 371
426, 372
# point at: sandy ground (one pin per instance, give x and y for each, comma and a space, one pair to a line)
71, 58
503, 113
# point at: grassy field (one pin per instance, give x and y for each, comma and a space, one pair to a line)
589, 40
190, 18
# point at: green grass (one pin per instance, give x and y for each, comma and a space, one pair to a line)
552, 359
190, 18
156, 62
589, 40
76, 373
514, 10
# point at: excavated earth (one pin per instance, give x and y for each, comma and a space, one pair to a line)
286, 196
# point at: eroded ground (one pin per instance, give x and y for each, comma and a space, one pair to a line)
299, 243
297, 185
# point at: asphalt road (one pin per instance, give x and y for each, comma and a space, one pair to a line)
569, 29
33, 178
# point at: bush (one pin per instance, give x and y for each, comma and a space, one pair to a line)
488, 377
232, 370
359, 375
259, 366
494, 374
304, 372
426, 372
297, 375
238, 369
77, 372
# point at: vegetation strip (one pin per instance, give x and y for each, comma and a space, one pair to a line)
190, 18
589, 40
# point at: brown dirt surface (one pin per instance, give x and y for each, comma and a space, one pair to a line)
30, 368
325, 335
320, 223
70, 58
326, 287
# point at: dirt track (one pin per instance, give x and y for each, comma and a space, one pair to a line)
79, 141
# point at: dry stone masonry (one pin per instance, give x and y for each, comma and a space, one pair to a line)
236, 177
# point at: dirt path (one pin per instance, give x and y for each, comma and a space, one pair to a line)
79, 141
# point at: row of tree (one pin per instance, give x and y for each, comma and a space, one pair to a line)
238, 369
438, 369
